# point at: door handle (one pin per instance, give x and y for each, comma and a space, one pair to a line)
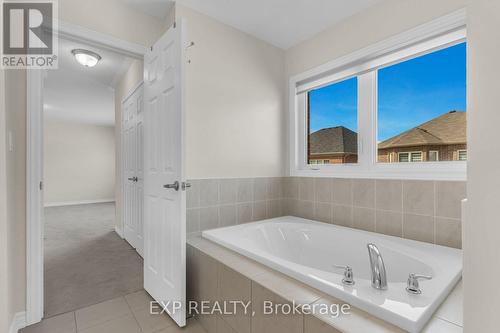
133, 179
175, 186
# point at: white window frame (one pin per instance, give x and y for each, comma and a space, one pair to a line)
440, 33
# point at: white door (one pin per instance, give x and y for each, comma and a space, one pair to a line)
133, 178
165, 198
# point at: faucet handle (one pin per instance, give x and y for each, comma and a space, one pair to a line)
348, 274
413, 286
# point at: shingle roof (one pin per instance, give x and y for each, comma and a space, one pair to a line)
333, 140
449, 128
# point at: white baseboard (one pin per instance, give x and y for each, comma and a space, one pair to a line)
82, 202
119, 232
18, 322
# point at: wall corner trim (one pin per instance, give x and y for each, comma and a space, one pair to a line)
18, 322
119, 232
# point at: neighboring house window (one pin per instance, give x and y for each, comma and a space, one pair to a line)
433, 156
333, 121
462, 155
404, 157
416, 156
400, 100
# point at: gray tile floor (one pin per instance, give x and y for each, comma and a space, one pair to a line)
86, 262
128, 314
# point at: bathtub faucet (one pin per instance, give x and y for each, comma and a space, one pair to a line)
379, 277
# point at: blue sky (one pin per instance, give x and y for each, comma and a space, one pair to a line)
409, 93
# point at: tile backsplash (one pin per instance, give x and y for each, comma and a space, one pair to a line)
428, 211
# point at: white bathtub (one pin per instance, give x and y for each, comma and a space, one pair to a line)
306, 251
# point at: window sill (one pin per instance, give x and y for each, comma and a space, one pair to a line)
453, 171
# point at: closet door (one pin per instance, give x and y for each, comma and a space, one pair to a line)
133, 173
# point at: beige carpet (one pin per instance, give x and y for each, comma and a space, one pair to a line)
86, 262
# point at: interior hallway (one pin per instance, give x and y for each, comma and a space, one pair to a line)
86, 262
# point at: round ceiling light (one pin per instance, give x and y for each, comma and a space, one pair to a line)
86, 58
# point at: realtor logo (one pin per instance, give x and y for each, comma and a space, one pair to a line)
28, 39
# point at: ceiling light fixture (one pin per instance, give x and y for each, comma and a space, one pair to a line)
85, 57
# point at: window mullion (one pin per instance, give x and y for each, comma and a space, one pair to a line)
367, 102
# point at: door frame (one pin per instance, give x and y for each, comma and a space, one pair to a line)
34, 159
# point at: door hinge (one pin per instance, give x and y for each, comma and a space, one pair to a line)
41, 185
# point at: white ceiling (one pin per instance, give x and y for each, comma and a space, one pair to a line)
86, 95
283, 23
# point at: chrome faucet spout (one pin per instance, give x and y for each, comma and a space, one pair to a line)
379, 276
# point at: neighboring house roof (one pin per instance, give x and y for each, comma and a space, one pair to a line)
447, 129
333, 140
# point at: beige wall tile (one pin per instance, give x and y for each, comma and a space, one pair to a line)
234, 286
449, 232
389, 223
275, 188
363, 193
259, 210
192, 220
209, 192
323, 212
266, 323
363, 218
260, 189
306, 188
389, 195
244, 212
227, 215
342, 191
245, 190
228, 191
305, 209
274, 208
342, 215
418, 197
291, 187
193, 194
323, 190
205, 283
209, 218
314, 325
418, 227
448, 198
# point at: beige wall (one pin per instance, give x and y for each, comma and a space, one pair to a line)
234, 102
482, 225
79, 162
112, 17
124, 87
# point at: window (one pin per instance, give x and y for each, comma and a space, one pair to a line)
462, 155
332, 121
414, 156
393, 109
433, 156
421, 103
404, 157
